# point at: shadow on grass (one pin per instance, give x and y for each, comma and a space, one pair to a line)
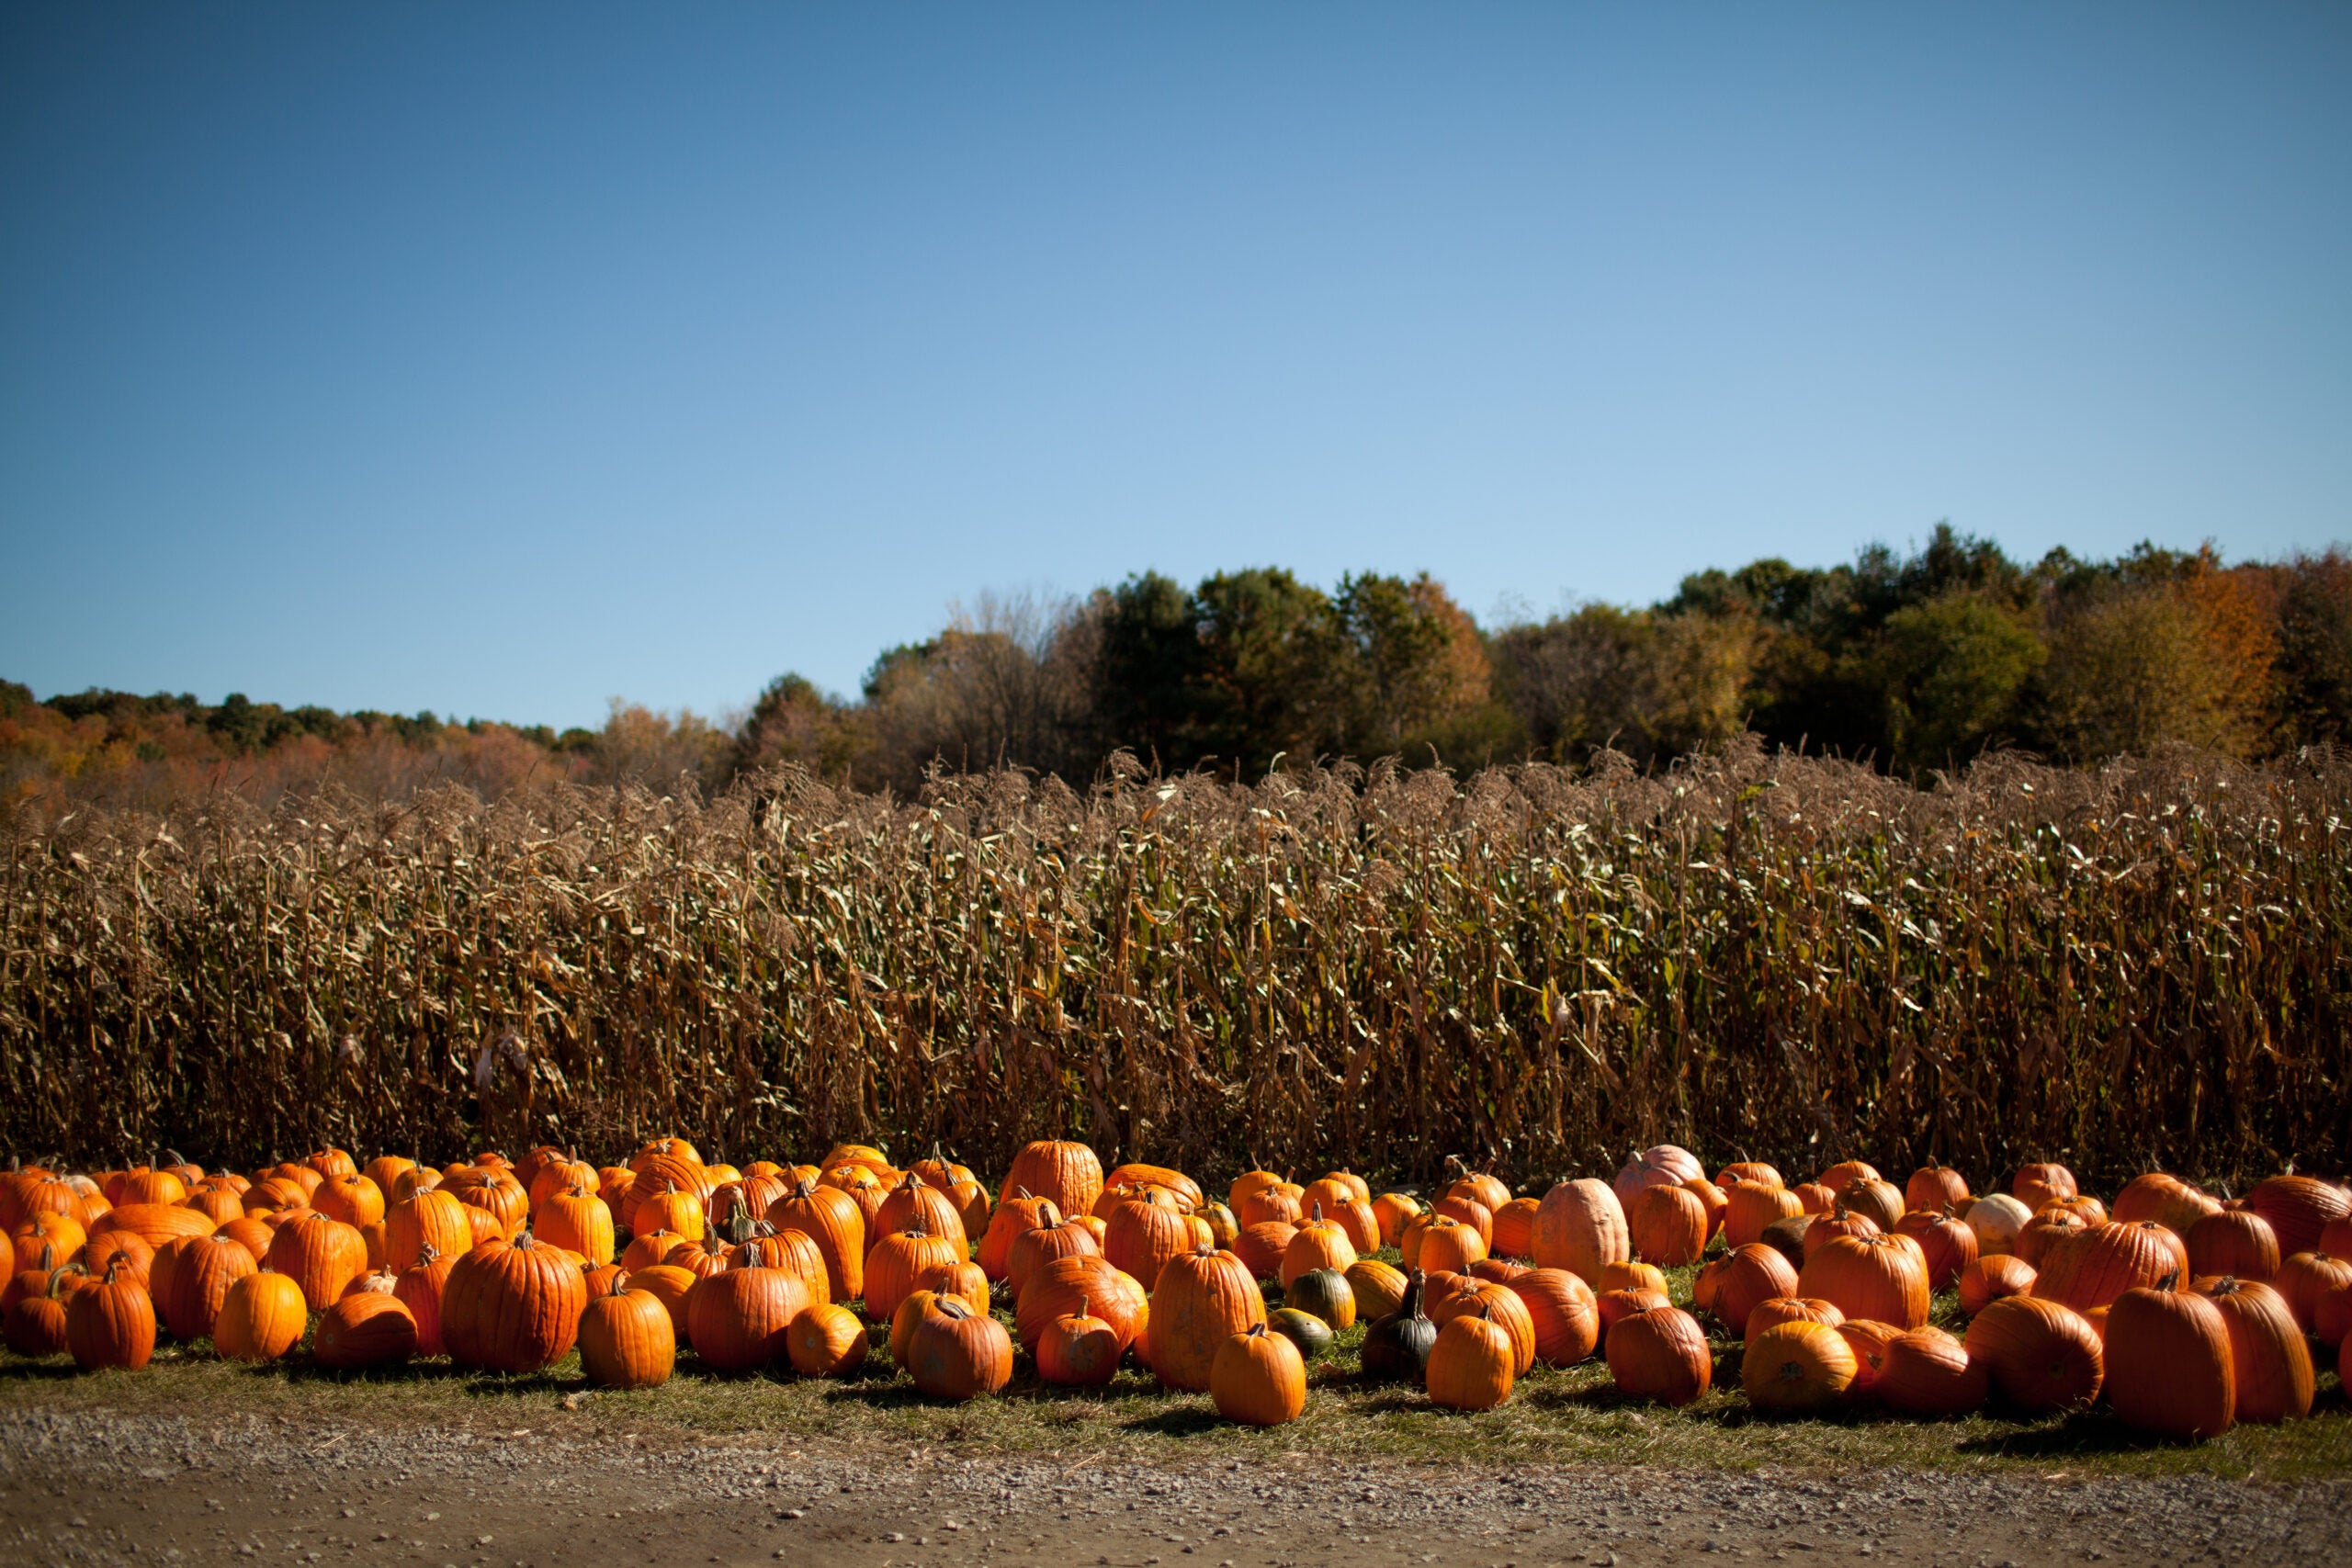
2083, 1436
51, 1369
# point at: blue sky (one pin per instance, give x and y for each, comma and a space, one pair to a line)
500, 360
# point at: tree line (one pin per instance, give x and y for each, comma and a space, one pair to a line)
1914, 662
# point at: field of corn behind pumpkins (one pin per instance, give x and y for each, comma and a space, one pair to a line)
1535, 968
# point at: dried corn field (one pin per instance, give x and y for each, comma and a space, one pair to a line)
1532, 968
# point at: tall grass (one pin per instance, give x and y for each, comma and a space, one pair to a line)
1532, 968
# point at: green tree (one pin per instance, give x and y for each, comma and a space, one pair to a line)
1953, 671
1274, 683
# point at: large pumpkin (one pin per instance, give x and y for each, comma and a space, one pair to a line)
956, 1353
899, 1258
1668, 1225
1560, 1306
1660, 1353
1750, 1276
261, 1318
320, 1255
2169, 1364
1473, 1360
1199, 1301
2092, 1268
627, 1339
1879, 1277
110, 1322
2299, 1208
1258, 1377
1666, 1164
914, 1197
1927, 1372
2167, 1199
512, 1306
1065, 1172
2270, 1366
831, 1218
191, 1279
1080, 1286
1144, 1231
2039, 1356
737, 1319
366, 1327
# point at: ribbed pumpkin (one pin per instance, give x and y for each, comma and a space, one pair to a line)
1323, 1295
940, 1216
1669, 1225
1935, 1188
1946, 1242
2303, 1278
1143, 1231
2035, 1185
1066, 1173
1186, 1190
2167, 1199
2299, 1208
2271, 1367
1020, 1213
153, 1223
1080, 1287
1319, 1243
832, 1219
2235, 1242
1474, 1360
1750, 1206
1284, 1200
105, 1247
1791, 1309
497, 1194
737, 1319
1839, 1221
1500, 1305
2039, 1356
217, 1204
1844, 1173
669, 1285
1879, 1201
827, 1341
419, 1290
1869, 1341
577, 1220
1040, 1244
1469, 1211
110, 1322
1393, 1212
1437, 1243
366, 1327
895, 1261
1798, 1368
963, 1280
1660, 1353
1379, 1288
1750, 1276
1077, 1352
1199, 1301
1666, 1164
2169, 1362
1876, 1277
320, 1255
191, 1279
1613, 1306
33, 1323
1260, 1247
512, 1306
354, 1200
1258, 1377
261, 1318
2092, 1268
1566, 1316
1989, 1279
1927, 1373
956, 1353
431, 1218
675, 1168
2045, 1231
1996, 1221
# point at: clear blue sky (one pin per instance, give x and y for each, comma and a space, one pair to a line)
500, 359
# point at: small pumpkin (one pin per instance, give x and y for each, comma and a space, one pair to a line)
1797, 1369
826, 1340
1259, 1376
261, 1318
1564, 1311
1078, 1352
1990, 1278
1309, 1333
1323, 1295
1474, 1360
1379, 1288
367, 1326
1930, 1374
2238, 1243
1791, 1309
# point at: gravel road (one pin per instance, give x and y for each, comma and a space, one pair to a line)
98, 1487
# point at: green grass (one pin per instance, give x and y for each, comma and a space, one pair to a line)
1573, 1415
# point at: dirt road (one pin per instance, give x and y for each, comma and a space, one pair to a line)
98, 1487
